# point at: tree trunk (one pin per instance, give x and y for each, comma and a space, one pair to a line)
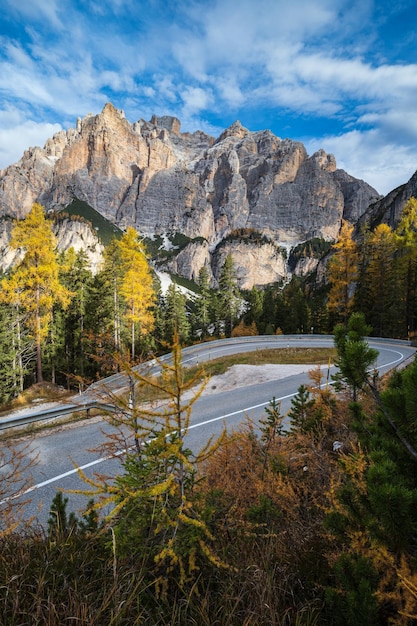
39, 376
20, 356
133, 333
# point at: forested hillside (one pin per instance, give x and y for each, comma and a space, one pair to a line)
61, 323
313, 524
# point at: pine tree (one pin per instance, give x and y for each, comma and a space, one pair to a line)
295, 309
53, 348
203, 304
272, 427
34, 282
354, 356
406, 233
229, 295
377, 292
255, 299
110, 280
78, 278
374, 512
8, 382
60, 523
300, 412
271, 313
175, 313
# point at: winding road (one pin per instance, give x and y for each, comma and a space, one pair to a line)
61, 450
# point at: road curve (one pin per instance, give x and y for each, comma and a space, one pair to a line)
60, 451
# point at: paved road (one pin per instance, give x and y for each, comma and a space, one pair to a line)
60, 450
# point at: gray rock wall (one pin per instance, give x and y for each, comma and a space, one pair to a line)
152, 176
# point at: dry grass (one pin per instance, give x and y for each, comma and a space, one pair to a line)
45, 392
219, 366
277, 356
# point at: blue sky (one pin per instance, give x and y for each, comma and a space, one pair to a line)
335, 74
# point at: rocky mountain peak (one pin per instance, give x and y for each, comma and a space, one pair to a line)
110, 117
161, 181
327, 162
236, 130
172, 124
389, 208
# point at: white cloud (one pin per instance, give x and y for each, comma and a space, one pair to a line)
368, 156
38, 10
396, 124
165, 88
149, 92
283, 54
354, 76
230, 91
243, 33
18, 136
195, 99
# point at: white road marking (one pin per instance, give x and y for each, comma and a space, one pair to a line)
103, 459
192, 426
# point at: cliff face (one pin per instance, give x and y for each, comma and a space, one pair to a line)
80, 236
69, 233
389, 208
152, 176
254, 263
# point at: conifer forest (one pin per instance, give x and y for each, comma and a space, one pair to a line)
266, 525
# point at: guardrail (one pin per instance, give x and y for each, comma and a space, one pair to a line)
67, 409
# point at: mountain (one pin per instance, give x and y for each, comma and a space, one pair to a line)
388, 209
194, 197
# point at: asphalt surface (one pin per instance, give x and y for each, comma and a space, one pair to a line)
60, 451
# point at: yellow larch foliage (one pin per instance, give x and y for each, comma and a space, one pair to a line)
137, 285
343, 272
33, 284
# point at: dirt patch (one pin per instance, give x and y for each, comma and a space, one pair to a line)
246, 375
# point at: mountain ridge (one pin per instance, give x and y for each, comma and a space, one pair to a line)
152, 176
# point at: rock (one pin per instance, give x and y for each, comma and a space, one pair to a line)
23, 183
357, 196
190, 260
69, 233
255, 263
388, 210
8, 256
154, 177
305, 266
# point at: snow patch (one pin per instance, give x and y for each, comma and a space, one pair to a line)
166, 280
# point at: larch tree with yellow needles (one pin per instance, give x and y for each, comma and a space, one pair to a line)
406, 233
377, 293
343, 273
156, 515
136, 286
33, 284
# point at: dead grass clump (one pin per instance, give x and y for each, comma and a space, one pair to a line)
39, 392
